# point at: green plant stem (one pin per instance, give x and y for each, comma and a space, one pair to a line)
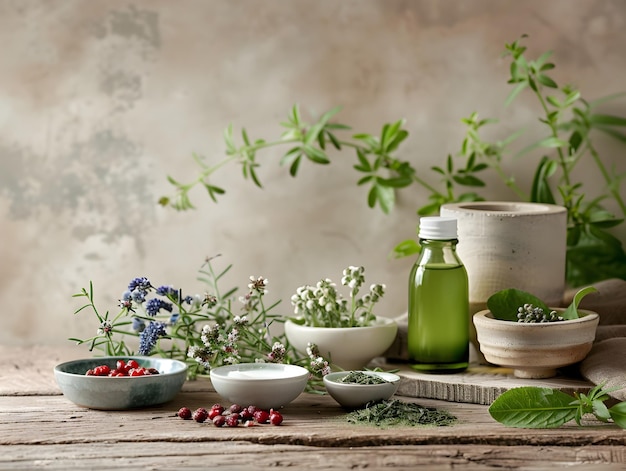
555, 133
607, 178
206, 173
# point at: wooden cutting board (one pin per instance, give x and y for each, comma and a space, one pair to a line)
479, 384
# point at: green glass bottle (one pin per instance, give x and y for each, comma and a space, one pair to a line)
438, 335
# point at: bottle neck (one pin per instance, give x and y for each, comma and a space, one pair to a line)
439, 252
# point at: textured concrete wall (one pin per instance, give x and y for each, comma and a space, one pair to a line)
102, 99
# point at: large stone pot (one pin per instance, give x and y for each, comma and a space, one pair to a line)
511, 245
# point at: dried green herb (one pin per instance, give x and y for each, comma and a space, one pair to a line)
395, 412
358, 377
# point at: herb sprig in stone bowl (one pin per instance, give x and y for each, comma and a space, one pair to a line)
520, 306
543, 340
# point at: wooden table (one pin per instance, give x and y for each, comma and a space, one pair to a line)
40, 428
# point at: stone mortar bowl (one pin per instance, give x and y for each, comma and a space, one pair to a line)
535, 350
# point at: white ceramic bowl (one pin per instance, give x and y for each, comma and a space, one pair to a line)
535, 350
349, 348
264, 385
352, 396
118, 393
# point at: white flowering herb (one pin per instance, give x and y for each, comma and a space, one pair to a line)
323, 306
205, 331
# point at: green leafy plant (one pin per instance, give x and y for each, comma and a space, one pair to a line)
204, 331
540, 407
308, 141
520, 306
323, 306
570, 124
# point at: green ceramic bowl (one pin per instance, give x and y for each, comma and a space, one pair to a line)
118, 393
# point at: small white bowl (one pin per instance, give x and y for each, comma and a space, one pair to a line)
121, 392
264, 385
348, 348
352, 395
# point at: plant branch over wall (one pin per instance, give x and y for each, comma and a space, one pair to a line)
570, 124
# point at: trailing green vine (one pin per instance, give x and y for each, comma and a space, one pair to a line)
570, 123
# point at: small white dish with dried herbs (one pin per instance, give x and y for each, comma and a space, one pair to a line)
353, 389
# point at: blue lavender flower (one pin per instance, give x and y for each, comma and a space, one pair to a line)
138, 324
138, 295
174, 318
188, 299
154, 305
166, 291
149, 336
141, 283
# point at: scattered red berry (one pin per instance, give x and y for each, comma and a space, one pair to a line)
219, 420
232, 420
200, 414
247, 416
214, 413
184, 413
261, 416
276, 417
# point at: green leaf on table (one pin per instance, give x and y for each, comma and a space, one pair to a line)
600, 410
533, 407
618, 414
504, 304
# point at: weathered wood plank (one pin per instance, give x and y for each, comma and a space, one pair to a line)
40, 428
238, 455
310, 420
480, 384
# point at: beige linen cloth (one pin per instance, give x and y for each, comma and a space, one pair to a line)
606, 362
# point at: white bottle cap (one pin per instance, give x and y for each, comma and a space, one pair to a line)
437, 228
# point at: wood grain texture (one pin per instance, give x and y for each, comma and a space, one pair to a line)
42, 429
